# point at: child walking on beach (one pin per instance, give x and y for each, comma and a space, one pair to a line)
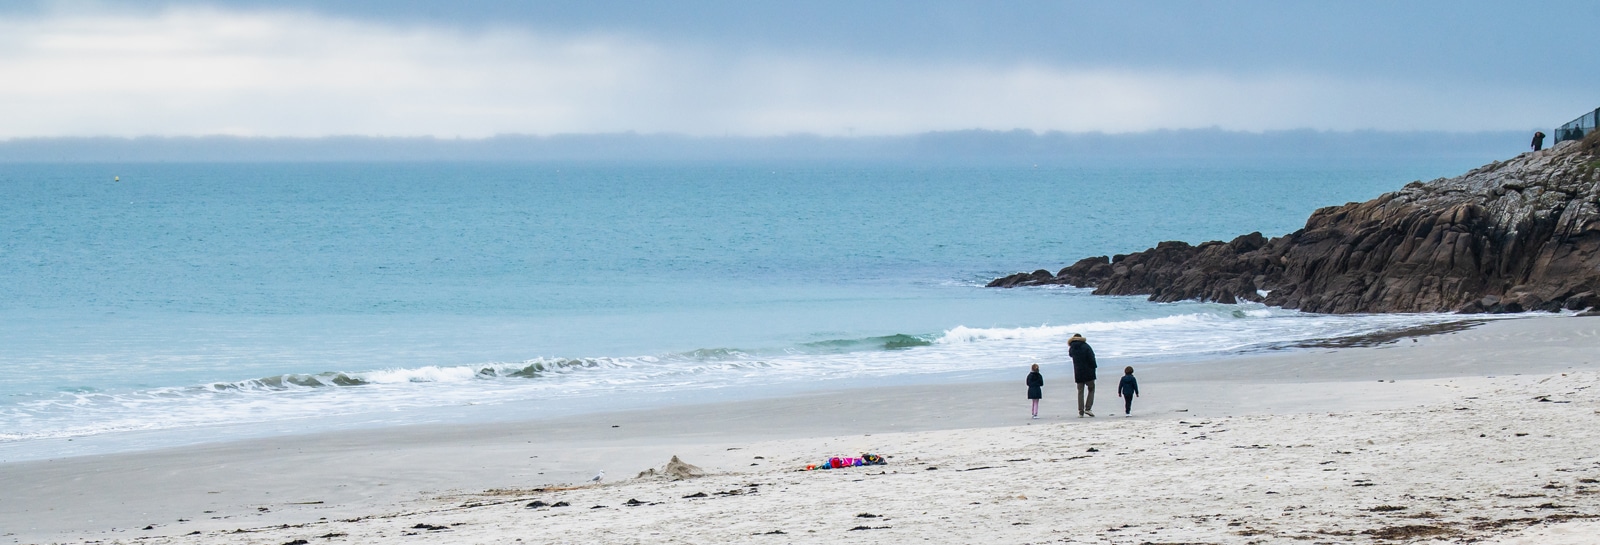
1127, 390
1035, 388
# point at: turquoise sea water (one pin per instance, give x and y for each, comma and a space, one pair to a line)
201, 301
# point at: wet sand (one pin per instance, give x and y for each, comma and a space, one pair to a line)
1149, 472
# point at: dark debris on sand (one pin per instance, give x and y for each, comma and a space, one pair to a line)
1409, 531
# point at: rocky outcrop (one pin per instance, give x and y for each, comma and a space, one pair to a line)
1510, 236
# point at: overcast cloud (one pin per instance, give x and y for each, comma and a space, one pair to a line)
194, 69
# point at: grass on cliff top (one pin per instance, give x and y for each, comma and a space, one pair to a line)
1590, 145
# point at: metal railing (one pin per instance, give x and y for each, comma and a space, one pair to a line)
1578, 128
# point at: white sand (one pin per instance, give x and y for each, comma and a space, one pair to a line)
1305, 447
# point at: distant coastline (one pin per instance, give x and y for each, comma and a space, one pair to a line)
945, 146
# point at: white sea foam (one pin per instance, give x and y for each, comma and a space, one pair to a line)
403, 390
423, 374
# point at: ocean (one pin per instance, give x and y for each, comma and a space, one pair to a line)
157, 304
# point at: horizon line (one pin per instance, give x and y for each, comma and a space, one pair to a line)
689, 136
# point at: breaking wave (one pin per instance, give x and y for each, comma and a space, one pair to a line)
1225, 329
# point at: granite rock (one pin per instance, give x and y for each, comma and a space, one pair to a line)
1512, 236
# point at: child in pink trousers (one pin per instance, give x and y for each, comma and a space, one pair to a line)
1035, 388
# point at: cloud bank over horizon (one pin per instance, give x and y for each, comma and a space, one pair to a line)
188, 69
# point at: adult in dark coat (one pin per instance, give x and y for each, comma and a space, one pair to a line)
1083, 366
1538, 140
1035, 388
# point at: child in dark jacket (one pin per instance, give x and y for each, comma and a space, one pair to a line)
1035, 388
1127, 390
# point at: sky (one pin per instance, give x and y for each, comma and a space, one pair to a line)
477, 68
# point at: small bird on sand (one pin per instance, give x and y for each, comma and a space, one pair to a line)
598, 476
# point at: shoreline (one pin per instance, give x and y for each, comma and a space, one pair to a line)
160, 438
302, 479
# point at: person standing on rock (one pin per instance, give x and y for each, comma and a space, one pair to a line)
1082, 372
1538, 140
1035, 389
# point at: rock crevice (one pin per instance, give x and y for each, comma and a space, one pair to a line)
1510, 236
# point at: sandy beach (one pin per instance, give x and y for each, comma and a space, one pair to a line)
497, 272
1483, 435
